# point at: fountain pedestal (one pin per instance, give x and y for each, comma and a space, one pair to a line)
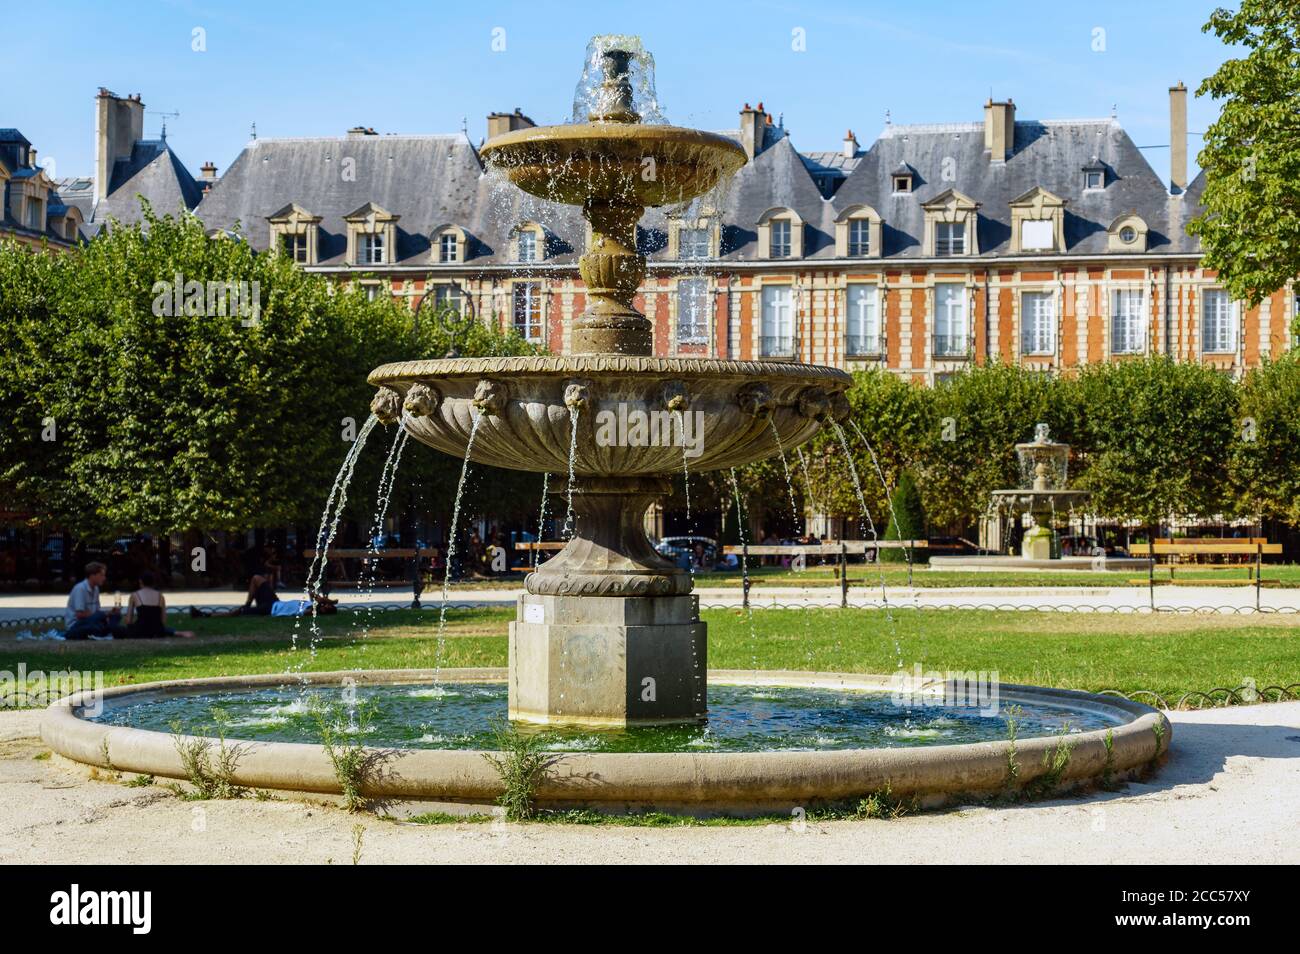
607, 660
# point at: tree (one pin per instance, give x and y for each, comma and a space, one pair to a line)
1266, 443
121, 411
1250, 229
906, 522
979, 418
1156, 437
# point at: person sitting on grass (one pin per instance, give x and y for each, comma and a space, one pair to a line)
146, 613
261, 596
83, 619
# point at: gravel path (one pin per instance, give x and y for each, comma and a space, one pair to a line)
1229, 793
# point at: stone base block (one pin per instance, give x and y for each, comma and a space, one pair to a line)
608, 661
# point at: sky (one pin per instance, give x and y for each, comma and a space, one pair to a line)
316, 69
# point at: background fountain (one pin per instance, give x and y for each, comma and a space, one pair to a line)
608, 632
1044, 471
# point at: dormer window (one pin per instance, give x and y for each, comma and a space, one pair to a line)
950, 238
372, 235
371, 248
1128, 233
448, 248
780, 234
694, 243
1094, 175
526, 248
902, 183
857, 233
779, 246
294, 233
1038, 222
950, 225
859, 238
294, 245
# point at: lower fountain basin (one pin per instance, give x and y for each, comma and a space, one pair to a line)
774, 740
637, 415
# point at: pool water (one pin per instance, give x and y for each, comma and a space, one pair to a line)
461, 716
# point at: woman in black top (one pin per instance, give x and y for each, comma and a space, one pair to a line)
146, 613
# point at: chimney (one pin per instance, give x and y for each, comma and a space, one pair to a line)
208, 171
1177, 138
850, 145
31, 157
356, 132
119, 125
999, 129
753, 129
499, 123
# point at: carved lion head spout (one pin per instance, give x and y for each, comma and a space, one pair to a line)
386, 405
756, 400
577, 394
490, 397
674, 395
814, 403
422, 400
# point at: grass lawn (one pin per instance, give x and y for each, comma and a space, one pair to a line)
1168, 653
1286, 575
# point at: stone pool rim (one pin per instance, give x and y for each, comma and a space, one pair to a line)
935, 774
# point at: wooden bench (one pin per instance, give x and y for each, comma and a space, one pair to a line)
1247, 547
840, 549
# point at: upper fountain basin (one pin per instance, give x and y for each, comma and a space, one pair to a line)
600, 162
636, 415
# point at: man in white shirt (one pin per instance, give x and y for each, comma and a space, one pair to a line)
83, 617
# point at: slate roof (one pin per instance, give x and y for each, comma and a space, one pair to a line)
1050, 154
431, 181
14, 153
153, 171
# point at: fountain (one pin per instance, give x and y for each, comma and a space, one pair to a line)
608, 632
607, 654
1042, 496
1044, 469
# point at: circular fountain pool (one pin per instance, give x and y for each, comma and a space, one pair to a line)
741, 719
772, 740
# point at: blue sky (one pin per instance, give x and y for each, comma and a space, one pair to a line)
305, 69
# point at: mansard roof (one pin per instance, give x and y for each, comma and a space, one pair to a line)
1048, 155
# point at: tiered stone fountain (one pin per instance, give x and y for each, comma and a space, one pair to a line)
608, 632
1044, 469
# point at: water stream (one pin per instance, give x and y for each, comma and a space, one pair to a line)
451, 545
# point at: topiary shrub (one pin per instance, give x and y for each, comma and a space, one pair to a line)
906, 522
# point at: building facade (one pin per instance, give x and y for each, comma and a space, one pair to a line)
1049, 244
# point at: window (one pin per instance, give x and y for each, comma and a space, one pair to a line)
693, 311
447, 297
372, 248
693, 243
859, 237
777, 333
1218, 327
1094, 179
526, 246
950, 238
35, 214
1037, 235
528, 308
295, 246
950, 335
864, 321
1037, 323
1127, 327
902, 183
779, 243
448, 247
1128, 235
372, 291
